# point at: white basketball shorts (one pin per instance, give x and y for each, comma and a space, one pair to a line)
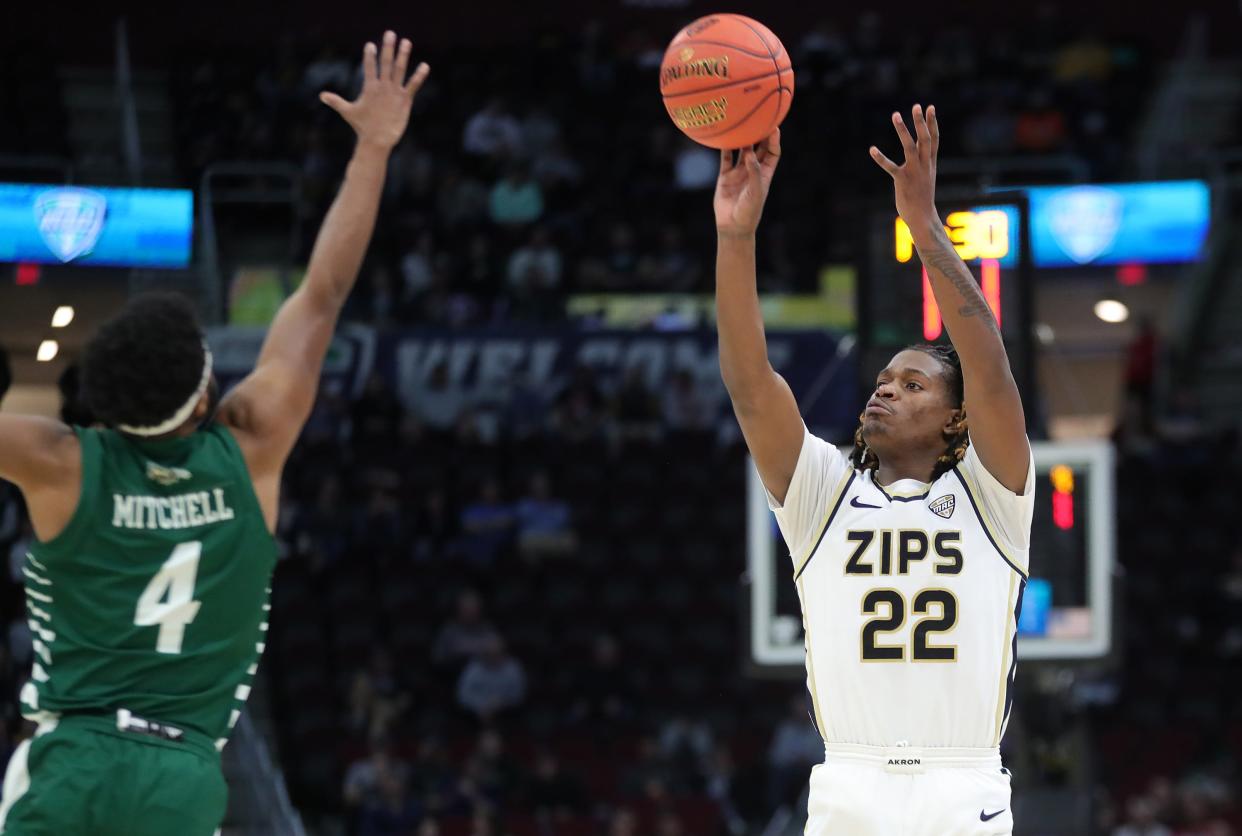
907, 791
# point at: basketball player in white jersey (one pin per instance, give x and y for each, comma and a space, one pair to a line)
910, 553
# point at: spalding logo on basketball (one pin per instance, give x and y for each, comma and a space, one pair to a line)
727, 81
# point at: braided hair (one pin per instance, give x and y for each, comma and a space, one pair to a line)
864, 458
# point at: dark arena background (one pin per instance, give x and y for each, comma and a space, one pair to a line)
527, 587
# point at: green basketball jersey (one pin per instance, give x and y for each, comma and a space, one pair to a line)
155, 597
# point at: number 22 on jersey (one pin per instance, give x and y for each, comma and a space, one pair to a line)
168, 598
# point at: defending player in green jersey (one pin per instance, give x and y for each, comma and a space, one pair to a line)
147, 588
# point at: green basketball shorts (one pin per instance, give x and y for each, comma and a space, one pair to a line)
81, 775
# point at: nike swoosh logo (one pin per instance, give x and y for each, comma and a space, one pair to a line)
858, 504
989, 816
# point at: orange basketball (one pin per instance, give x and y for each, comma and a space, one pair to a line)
727, 81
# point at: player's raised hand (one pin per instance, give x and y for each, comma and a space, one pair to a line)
742, 187
914, 181
382, 110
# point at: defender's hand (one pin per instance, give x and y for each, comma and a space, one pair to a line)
742, 186
914, 181
382, 110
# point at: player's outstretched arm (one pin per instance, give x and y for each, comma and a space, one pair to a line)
268, 408
993, 405
762, 400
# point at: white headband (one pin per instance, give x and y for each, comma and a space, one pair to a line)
179, 417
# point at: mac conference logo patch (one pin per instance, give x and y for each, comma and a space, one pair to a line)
70, 220
167, 476
943, 506
1085, 221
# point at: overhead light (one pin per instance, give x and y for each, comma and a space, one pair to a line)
1045, 333
47, 351
63, 316
1110, 310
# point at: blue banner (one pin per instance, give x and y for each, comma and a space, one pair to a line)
1119, 223
99, 227
483, 365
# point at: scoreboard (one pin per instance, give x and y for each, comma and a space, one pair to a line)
896, 306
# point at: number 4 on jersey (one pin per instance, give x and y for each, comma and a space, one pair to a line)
167, 600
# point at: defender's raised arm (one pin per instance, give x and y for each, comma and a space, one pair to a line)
270, 406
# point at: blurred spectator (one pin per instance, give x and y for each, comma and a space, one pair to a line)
516, 199
669, 825
1181, 427
460, 198
991, 129
329, 71
552, 792
367, 715
1141, 356
486, 524
322, 532
1141, 821
1087, 59
526, 406
539, 130
534, 277
492, 132
394, 813
376, 413
438, 402
1135, 431
384, 296
578, 414
411, 172
18, 550
719, 777
673, 269
651, 776
435, 526
21, 642
796, 747
687, 742
1040, 126
695, 168
601, 691
418, 267
364, 778
464, 636
636, 406
432, 776
684, 406
555, 168
544, 526
623, 823
492, 775
617, 267
493, 683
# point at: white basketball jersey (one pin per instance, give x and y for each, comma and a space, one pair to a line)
910, 594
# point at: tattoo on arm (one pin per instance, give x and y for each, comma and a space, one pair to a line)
945, 262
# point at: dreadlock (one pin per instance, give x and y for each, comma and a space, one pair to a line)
864, 458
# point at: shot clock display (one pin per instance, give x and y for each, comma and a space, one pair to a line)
897, 306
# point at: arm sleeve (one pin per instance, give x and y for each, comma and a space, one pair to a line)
817, 477
1009, 513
